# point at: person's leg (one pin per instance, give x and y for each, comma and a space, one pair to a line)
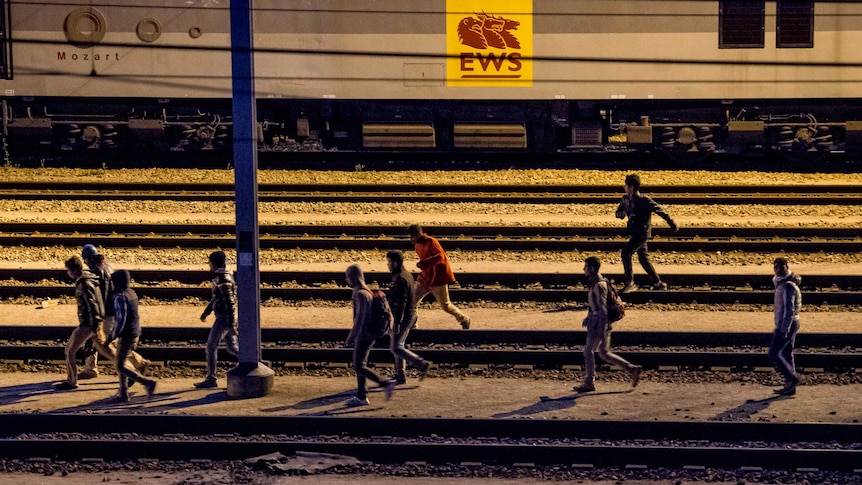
215, 336
590, 346
127, 373
626, 254
420, 291
76, 341
401, 353
646, 264
777, 354
441, 294
604, 349
361, 350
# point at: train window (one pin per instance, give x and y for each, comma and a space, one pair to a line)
794, 24
741, 24
5, 41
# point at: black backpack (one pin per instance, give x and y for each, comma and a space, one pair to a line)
380, 319
616, 307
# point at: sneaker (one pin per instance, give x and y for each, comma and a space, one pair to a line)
389, 389
400, 379
88, 374
206, 384
355, 402
629, 287
423, 367
635, 374
65, 386
786, 391
659, 286
466, 323
584, 388
120, 398
151, 389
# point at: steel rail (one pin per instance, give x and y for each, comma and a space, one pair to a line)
425, 337
539, 194
482, 440
442, 232
543, 358
385, 243
746, 296
815, 283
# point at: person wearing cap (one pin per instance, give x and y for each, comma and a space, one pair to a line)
100, 267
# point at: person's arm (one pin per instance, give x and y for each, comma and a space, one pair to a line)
601, 289
360, 310
120, 314
91, 300
622, 208
785, 313
208, 309
659, 210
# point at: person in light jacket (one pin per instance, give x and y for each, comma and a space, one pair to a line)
788, 302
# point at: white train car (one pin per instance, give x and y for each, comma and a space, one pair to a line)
684, 78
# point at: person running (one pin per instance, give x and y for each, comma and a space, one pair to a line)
100, 267
400, 297
127, 332
436, 274
361, 341
639, 209
599, 329
787, 303
223, 303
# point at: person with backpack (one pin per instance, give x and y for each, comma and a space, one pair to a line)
639, 209
404, 317
100, 267
223, 303
368, 326
787, 303
599, 329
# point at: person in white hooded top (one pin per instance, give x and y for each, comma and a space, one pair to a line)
788, 302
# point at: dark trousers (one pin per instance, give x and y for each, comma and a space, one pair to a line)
638, 244
361, 350
781, 353
126, 346
221, 330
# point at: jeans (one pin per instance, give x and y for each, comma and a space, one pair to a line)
781, 353
221, 330
397, 345
125, 346
599, 340
638, 244
441, 294
91, 361
361, 350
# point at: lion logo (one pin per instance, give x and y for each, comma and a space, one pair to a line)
485, 31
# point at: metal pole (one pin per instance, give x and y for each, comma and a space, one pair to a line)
249, 378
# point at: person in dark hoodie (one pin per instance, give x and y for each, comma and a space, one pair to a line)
223, 303
788, 302
91, 311
639, 209
400, 296
127, 331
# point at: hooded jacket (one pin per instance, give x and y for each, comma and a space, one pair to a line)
91, 308
597, 302
436, 270
788, 301
125, 302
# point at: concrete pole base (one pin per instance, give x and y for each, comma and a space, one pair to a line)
247, 380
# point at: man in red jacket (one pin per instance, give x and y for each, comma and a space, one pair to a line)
436, 274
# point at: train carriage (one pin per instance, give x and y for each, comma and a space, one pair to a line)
683, 78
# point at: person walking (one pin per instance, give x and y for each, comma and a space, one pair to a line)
361, 341
127, 332
100, 267
436, 274
91, 312
400, 298
639, 209
223, 303
787, 304
599, 329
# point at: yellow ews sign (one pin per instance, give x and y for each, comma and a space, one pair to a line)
489, 42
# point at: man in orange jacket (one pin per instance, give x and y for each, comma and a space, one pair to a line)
436, 274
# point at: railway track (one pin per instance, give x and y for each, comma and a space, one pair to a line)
514, 194
638, 444
465, 238
540, 349
175, 285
